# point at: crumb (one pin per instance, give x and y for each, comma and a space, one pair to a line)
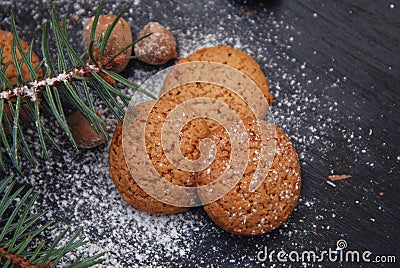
248, 13
338, 177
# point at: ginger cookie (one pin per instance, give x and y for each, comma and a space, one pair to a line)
234, 58
6, 39
128, 187
251, 213
189, 91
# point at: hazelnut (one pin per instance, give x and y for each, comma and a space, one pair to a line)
159, 47
120, 37
83, 133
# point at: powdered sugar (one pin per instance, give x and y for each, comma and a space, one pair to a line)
76, 190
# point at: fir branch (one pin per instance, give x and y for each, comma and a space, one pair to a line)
31, 89
15, 260
60, 83
18, 230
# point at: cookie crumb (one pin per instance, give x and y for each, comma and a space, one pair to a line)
248, 13
338, 177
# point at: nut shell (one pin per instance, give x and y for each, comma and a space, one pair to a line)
120, 37
158, 48
83, 133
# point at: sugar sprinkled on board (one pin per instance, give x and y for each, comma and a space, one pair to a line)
331, 184
77, 191
133, 237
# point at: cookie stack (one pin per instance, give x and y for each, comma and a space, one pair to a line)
241, 210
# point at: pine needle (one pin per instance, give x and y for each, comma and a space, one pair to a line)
59, 33
21, 50
50, 69
93, 31
18, 230
109, 30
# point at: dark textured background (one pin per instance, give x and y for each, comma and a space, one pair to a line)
352, 45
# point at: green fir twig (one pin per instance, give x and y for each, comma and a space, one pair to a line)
69, 78
19, 229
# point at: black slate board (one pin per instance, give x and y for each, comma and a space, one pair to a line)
356, 42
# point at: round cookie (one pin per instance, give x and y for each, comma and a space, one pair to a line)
119, 171
6, 39
234, 58
251, 213
190, 91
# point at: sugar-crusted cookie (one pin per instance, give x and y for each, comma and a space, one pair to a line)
234, 58
251, 213
190, 91
119, 171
